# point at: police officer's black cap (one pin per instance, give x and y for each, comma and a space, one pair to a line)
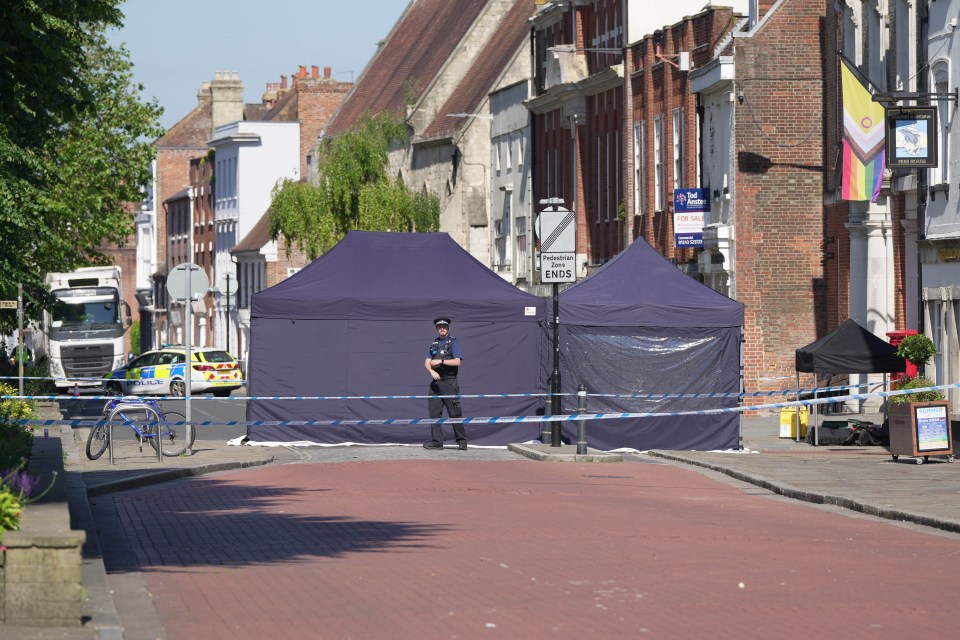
441, 321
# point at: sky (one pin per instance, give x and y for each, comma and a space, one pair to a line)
176, 45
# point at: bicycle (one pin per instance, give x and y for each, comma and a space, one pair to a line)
147, 420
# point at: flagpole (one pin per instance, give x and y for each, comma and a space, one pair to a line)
856, 71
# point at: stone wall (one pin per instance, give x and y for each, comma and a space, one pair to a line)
40, 570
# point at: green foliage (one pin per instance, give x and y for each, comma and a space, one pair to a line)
917, 348
36, 376
65, 179
42, 64
16, 440
411, 91
17, 489
915, 383
10, 510
135, 338
353, 192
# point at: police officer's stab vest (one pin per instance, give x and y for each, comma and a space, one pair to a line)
442, 348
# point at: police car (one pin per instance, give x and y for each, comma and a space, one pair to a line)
161, 372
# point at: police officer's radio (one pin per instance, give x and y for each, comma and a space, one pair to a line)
441, 350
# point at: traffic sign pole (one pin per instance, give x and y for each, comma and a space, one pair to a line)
191, 285
555, 408
228, 313
556, 230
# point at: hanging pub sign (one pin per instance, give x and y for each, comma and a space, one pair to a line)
911, 137
689, 207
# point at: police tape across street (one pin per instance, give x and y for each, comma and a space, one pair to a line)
488, 419
628, 396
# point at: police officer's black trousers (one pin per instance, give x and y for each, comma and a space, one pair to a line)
446, 387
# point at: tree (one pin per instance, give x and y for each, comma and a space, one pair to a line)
42, 63
66, 179
353, 192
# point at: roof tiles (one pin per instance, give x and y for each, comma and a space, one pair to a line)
490, 64
414, 52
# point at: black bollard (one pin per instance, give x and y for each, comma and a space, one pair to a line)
581, 422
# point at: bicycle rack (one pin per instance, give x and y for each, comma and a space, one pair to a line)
133, 406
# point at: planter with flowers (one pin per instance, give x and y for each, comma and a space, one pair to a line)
919, 422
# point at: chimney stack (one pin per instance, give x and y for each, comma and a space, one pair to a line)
314, 71
326, 72
226, 91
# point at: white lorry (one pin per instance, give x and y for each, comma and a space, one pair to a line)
83, 330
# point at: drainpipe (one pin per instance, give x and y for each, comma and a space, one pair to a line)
628, 167
922, 23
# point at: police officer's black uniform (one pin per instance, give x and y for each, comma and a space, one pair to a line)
445, 348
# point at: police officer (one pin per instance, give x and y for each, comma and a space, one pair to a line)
443, 363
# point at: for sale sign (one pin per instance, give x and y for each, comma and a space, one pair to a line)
689, 207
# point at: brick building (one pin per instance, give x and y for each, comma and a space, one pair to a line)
256, 261
728, 102
218, 102
261, 262
666, 126
578, 118
184, 187
779, 185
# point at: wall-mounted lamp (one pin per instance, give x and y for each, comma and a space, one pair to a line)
470, 115
569, 48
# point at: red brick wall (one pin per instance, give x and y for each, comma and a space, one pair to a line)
204, 234
658, 88
604, 169
835, 307
279, 271
126, 258
581, 162
779, 189
556, 152
173, 175
317, 100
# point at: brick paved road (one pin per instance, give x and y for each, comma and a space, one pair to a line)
520, 549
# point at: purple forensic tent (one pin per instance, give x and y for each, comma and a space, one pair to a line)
639, 325
358, 322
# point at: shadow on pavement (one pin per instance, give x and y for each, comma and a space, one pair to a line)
213, 522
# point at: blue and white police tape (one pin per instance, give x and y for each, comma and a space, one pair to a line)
515, 419
626, 396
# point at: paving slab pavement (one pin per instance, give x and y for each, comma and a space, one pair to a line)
863, 479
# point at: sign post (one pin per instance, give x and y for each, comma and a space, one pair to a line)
187, 282
224, 286
557, 230
18, 348
20, 338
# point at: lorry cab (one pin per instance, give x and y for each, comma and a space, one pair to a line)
84, 328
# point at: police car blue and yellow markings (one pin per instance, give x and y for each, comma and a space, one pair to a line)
218, 373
